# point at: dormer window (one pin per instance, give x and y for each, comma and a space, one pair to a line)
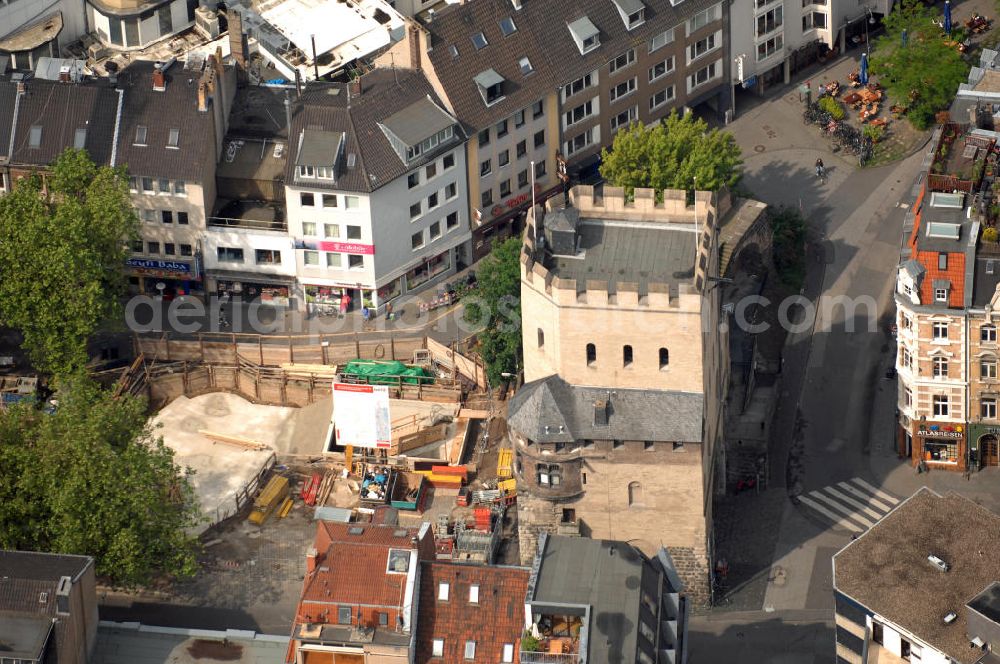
490, 86
585, 34
479, 40
633, 12
318, 154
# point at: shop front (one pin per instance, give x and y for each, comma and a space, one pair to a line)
167, 279
272, 289
940, 445
505, 220
334, 298
984, 445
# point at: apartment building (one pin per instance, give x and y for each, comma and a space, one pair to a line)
48, 608
946, 289
773, 39
375, 190
616, 430
918, 585
531, 88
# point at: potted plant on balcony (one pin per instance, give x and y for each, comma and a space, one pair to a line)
990, 235
529, 643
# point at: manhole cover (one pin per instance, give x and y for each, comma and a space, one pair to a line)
759, 148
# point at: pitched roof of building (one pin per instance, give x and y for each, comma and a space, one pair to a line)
886, 569
385, 94
160, 112
352, 564
543, 36
42, 566
50, 114
496, 619
552, 410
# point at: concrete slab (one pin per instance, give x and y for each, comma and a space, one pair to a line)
132, 644
220, 470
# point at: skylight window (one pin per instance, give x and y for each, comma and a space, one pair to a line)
526, 67
173, 140
35, 136
507, 26
479, 40
140, 135
453, 50
80, 138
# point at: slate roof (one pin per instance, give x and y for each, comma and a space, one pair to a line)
418, 121
174, 108
8, 93
887, 571
60, 109
609, 577
543, 37
42, 566
497, 619
331, 108
656, 415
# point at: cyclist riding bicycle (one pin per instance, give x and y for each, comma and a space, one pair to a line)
820, 169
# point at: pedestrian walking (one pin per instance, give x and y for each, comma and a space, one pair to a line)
820, 168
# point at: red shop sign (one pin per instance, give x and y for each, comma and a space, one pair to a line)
347, 247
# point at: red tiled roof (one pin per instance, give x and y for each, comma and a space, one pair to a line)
351, 568
955, 272
497, 619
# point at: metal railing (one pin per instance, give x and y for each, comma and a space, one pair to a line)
249, 224
534, 657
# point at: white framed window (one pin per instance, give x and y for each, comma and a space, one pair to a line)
310, 258
437, 648
474, 593
661, 40
769, 47
661, 69
703, 18
580, 84
416, 242
940, 294
906, 359
907, 397
332, 259
179, 188
580, 113
704, 75
760, 4
508, 653
988, 408
307, 172
470, 650
988, 368
623, 89
583, 141
622, 61
813, 21
352, 202
940, 330
443, 589
988, 334
661, 98
940, 367
704, 46
769, 21
940, 404
624, 118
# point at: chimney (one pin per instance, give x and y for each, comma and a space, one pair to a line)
288, 115
64, 76
237, 42
356, 86
202, 96
62, 595
159, 80
414, 47
311, 555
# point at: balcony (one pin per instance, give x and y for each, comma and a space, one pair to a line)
563, 640
250, 216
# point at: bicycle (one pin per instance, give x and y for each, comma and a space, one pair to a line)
821, 173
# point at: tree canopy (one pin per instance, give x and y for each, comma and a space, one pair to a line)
921, 71
62, 256
672, 155
92, 479
497, 308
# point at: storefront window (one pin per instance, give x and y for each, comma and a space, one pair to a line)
943, 452
440, 263
417, 276
324, 294
367, 298
390, 290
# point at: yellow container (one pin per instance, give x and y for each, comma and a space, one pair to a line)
269, 500
504, 460
508, 486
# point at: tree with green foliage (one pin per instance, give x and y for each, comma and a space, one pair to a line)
674, 154
62, 258
497, 308
788, 229
920, 72
92, 479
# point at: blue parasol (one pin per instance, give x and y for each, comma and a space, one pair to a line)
863, 74
947, 16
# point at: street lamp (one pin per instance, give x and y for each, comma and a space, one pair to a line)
870, 21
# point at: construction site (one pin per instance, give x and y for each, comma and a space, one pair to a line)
258, 424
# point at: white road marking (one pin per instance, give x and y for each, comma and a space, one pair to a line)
851, 514
881, 494
843, 523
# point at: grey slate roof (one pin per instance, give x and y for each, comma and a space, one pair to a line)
418, 121
655, 415
330, 107
986, 280
174, 108
42, 566
915, 269
543, 36
60, 109
23, 637
318, 148
8, 92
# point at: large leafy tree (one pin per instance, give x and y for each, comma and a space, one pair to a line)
677, 153
92, 479
920, 71
497, 308
62, 255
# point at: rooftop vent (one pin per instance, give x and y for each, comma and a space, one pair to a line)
62, 594
939, 563
950, 617
977, 643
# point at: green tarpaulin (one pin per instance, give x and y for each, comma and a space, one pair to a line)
386, 373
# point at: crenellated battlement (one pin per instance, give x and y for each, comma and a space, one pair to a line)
643, 207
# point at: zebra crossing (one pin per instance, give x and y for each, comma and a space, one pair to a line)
854, 505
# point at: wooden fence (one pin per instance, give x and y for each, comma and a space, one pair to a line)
471, 370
